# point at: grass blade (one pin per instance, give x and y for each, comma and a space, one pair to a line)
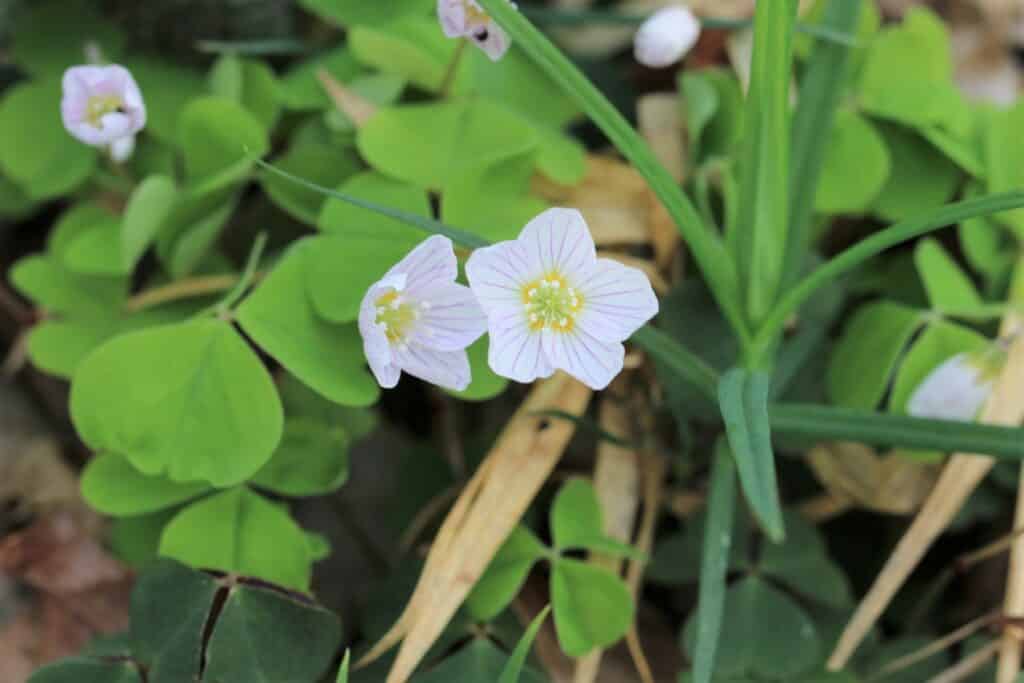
743, 399
685, 364
514, 667
343, 671
714, 563
812, 124
758, 239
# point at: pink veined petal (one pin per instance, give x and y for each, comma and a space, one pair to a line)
492, 39
121, 149
450, 318
452, 15
516, 352
448, 369
617, 300
375, 341
497, 275
559, 239
593, 361
432, 261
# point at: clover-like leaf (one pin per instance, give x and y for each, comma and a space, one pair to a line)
111, 485
578, 522
311, 460
191, 401
216, 133
88, 670
480, 660
593, 607
505, 574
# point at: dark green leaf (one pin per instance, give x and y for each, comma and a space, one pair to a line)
88, 670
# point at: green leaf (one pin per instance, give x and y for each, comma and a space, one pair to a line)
814, 423
191, 401
14, 202
514, 667
478, 661
88, 670
327, 357
168, 87
427, 144
865, 357
343, 670
35, 150
802, 563
300, 87
1002, 145
249, 82
349, 12
413, 48
240, 531
486, 384
687, 365
51, 36
922, 178
986, 245
136, 540
270, 635
344, 219
815, 155
855, 168
170, 608
148, 207
492, 202
743, 399
192, 229
522, 86
111, 485
311, 460
764, 159
505, 575
215, 134
592, 606
577, 521
949, 288
783, 651
717, 546
700, 102
55, 289
316, 161
940, 341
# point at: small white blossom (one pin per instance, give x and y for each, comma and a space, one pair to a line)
666, 37
955, 390
552, 304
102, 106
466, 19
417, 319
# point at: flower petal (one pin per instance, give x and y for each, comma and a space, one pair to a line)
955, 390
666, 36
432, 261
515, 351
617, 300
451, 319
593, 361
448, 369
122, 148
375, 341
492, 39
452, 15
559, 239
497, 275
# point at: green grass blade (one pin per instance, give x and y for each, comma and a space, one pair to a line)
872, 246
759, 237
743, 399
812, 125
708, 250
816, 422
343, 671
460, 237
514, 667
685, 364
714, 564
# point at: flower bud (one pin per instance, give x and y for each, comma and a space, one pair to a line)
666, 36
958, 388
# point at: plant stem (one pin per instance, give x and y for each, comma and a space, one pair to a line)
191, 288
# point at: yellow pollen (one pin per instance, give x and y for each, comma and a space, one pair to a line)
551, 303
101, 105
397, 316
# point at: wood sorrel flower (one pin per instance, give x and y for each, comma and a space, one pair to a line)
666, 36
552, 304
418, 319
958, 388
465, 18
102, 106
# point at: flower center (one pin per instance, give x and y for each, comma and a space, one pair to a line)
397, 315
101, 105
551, 303
474, 14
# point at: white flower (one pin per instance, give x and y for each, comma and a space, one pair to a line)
465, 18
666, 36
102, 106
552, 304
955, 390
418, 319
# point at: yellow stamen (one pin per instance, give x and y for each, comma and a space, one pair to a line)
551, 303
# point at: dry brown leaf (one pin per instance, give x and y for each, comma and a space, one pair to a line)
968, 666
1013, 603
855, 472
483, 516
961, 475
613, 197
617, 483
984, 67
356, 107
660, 122
658, 282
